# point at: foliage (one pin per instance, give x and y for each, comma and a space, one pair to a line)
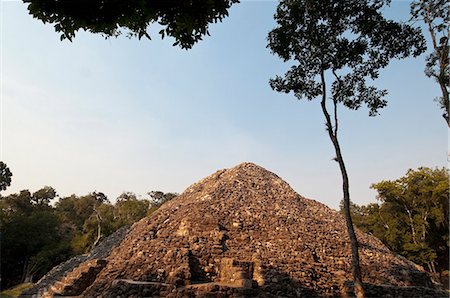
29, 226
412, 217
158, 198
77, 217
186, 21
74, 211
349, 38
436, 16
347, 43
37, 235
129, 209
5, 176
420, 202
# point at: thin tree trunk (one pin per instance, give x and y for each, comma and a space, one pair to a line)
99, 228
433, 272
411, 224
31, 270
445, 100
442, 54
433, 267
356, 269
24, 270
28, 278
424, 227
429, 267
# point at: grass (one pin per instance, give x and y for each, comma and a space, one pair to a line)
15, 291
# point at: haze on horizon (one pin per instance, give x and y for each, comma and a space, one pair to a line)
127, 115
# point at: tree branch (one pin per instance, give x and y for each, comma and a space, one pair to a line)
335, 105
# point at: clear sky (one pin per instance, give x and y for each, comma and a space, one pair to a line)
127, 115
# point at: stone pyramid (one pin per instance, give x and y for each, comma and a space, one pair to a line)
242, 232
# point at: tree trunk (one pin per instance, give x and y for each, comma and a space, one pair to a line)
442, 54
99, 228
27, 274
356, 269
424, 227
28, 278
445, 100
433, 268
411, 224
433, 272
25, 270
429, 267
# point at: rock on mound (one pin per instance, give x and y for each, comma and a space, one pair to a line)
243, 231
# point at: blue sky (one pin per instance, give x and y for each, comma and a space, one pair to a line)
127, 115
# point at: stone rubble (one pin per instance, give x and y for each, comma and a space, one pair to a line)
58, 272
76, 281
243, 232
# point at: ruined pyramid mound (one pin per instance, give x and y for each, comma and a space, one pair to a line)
242, 232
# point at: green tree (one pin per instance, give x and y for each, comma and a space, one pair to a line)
43, 196
36, 236
100, 224
336, 47
81, 219
129, 209
418, 208
186, 21
31, 240
5, 176
436, 16
158, 198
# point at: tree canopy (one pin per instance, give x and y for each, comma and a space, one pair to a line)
419, 202
186, 21
31, 239
5, 176
351, 39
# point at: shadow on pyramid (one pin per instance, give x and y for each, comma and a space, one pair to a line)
241, 232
